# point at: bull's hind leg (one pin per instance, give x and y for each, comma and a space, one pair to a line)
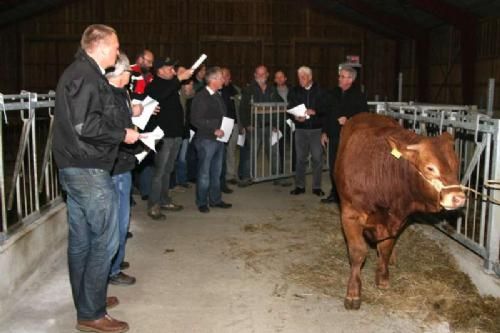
384, 249
357, 247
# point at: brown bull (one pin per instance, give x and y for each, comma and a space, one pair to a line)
383, 174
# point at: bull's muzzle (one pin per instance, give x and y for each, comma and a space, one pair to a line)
452, 198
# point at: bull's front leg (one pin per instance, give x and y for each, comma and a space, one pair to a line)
357, 247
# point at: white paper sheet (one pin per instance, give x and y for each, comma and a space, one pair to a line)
141, 156
149, 107
275, 136
291, 124
149, 138
241, 140
199, 61
227, 127
191, 135
298, 111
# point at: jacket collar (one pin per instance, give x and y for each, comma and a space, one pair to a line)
82, 55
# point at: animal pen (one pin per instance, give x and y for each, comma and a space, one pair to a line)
28, 177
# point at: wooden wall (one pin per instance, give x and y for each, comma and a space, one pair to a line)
239, 33
445, 65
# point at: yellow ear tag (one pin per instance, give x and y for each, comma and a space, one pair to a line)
396, 153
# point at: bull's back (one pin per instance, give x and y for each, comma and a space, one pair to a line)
364, 165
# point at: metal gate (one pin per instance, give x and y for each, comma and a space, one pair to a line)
272, 143
26, 159
477, 143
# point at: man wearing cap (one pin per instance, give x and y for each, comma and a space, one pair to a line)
165, 89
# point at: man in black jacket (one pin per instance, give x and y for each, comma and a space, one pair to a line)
308, 130
85, 145
207, 111
347, 100
165, 89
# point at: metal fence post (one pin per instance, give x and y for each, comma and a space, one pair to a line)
491, 97
491, 262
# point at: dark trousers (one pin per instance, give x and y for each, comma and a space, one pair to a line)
164, 165
333, 144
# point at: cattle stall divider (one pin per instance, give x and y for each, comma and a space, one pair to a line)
272, 155
26, 160
477, 143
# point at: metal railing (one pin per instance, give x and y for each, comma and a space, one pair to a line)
477, 143
272, 143
28, 175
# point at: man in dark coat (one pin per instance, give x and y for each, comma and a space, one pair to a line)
308, 130
85, 146
347, 100
165, 89
207, 110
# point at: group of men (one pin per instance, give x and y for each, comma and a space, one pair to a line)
95, 143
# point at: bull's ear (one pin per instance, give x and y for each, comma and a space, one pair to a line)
400, 149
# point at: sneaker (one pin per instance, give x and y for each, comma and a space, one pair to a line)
172, 207
122, 279
232, 181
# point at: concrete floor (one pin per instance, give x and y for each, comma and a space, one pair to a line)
200, 286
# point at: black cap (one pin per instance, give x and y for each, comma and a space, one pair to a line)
159, 63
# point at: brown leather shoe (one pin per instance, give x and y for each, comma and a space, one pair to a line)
104, 325
111, 302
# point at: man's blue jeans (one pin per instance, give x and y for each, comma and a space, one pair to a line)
123, 184
93, 237
210, 158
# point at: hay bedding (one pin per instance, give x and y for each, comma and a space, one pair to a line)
306, 246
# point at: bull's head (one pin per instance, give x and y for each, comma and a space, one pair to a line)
435, 160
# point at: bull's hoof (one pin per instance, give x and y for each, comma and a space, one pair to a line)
384, 284
352, 303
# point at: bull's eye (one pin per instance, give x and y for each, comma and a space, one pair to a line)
432, 169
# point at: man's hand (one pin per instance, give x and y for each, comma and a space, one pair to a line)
156, 110
324, 139
131, 136
300, 119
137, 110
310, 112
249, 128
342, 120
185, 74
219, 133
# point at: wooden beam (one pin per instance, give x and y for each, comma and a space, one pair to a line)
445, 11
466, 23
328, 6
423, 68
390, 21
